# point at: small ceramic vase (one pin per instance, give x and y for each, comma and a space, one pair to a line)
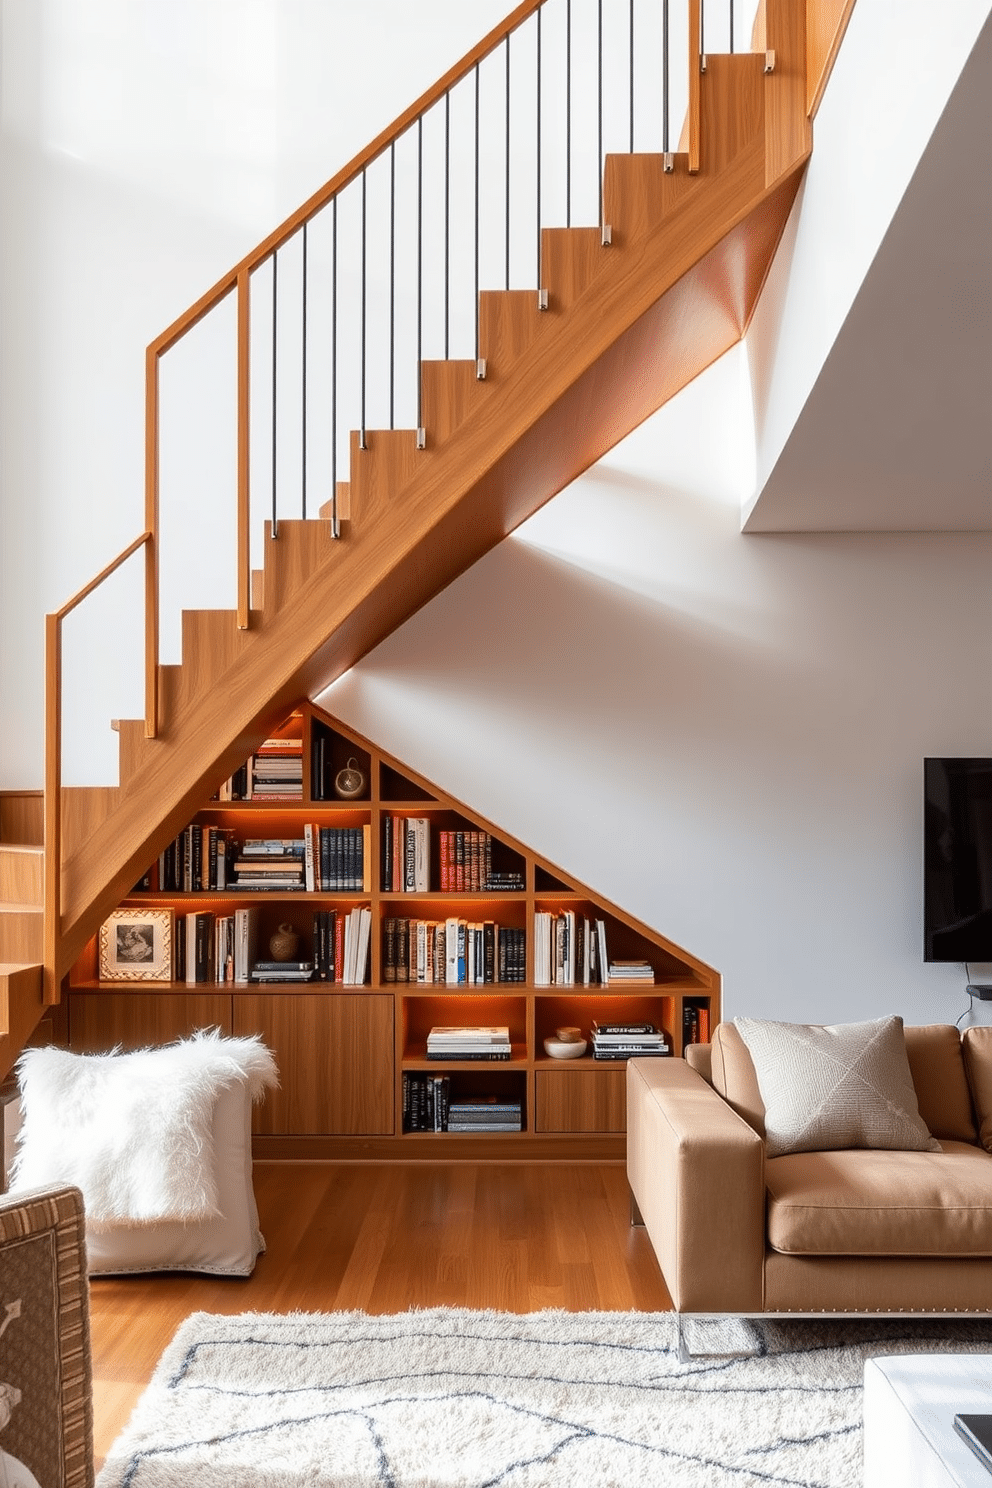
284, 944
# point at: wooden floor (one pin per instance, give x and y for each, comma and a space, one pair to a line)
386, 1238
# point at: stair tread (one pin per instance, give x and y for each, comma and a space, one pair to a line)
28, 848
14, 906
10, 968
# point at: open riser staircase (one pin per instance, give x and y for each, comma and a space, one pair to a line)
632, 315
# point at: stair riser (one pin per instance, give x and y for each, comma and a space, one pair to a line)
21, 1009
22, 933
22, 875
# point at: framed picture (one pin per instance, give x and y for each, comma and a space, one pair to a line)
136, 946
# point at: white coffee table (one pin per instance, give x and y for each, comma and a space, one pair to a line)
910, 1404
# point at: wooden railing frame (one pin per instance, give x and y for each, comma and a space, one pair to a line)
53, 746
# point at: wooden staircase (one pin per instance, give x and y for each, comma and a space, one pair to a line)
627, 326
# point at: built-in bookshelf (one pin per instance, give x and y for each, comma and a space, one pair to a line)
404, 911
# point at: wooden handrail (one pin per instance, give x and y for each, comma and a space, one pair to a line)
53, 760
104, 573
344, 177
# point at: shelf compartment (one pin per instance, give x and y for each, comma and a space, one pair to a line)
623, 942
399, 934
330, 753
578, 1008
483, 1010
489, 1085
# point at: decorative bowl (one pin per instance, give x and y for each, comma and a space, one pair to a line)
558, 1049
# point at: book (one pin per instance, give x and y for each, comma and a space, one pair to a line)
610, 1030
482, 1034
630, 1053
977, 1432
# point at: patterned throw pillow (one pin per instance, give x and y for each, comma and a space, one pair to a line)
832, 1086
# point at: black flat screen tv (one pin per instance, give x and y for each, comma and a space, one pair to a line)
957, 860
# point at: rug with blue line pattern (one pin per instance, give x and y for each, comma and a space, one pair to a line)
453, 1398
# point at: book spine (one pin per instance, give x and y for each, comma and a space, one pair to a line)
338, 947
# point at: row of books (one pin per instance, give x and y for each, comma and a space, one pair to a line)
453, 952
468, 1042
337, 860
428, 1107
197, 860
627, 1040
695, 1023
406, 854
570, 950
465, 865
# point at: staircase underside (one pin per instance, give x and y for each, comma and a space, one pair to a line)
626, 328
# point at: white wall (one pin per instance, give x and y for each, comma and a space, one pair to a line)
891, 82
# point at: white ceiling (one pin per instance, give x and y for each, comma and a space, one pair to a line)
897, 432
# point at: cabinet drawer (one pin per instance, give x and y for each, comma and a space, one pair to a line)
582, 1100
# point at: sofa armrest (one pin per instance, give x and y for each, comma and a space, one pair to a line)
697, 1173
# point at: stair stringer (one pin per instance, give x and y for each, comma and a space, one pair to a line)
551, 404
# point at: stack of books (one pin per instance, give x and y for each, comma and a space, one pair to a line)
273, 863
282, 971
276, 772
484, 1115
631, 974
468, 1043
627, 1040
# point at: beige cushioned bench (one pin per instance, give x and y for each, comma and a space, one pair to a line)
849, 1231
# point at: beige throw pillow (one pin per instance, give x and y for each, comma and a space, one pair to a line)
832, 1086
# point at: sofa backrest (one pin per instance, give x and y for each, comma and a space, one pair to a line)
977, 1046
952, 1077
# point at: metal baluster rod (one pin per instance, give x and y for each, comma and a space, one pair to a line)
303, 390
335, 524
275, 386
361, 438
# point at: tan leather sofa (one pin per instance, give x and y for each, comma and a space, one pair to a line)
853, 1231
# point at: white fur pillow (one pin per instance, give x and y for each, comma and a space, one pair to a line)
133, 1131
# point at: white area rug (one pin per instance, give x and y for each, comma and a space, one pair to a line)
450, 1397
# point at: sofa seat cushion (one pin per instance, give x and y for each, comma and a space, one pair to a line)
878, 1203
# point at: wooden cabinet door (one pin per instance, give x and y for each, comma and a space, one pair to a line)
101, 1021
592, 1100
335, 1057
